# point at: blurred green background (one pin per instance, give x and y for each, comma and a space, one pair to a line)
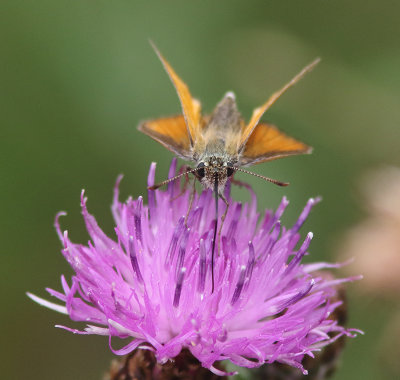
77, 76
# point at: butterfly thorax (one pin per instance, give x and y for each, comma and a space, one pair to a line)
216, 151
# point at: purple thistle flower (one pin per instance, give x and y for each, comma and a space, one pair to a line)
153, 283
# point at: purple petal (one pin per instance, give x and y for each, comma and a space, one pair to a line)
151, 282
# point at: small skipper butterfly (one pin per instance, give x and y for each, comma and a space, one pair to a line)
221, 144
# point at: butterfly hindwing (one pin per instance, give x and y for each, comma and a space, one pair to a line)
268, 143
170, 132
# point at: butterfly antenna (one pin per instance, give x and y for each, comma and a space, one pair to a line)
215, 232
276, 182
156, 186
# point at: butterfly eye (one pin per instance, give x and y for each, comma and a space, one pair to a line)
229, 170
200, 170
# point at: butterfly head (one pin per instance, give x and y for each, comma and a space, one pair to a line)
214, 169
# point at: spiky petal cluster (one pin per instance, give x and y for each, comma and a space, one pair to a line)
152, 283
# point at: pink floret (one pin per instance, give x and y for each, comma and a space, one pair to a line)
151, 282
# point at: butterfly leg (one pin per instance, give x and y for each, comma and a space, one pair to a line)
183, 169
222, 219
192, 194
241, 183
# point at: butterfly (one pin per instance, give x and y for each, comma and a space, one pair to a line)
221, 143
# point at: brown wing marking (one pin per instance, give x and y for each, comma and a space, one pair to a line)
268, 143
170, 132
258, 112
191, 107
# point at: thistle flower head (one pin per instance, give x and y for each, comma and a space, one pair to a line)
151, 283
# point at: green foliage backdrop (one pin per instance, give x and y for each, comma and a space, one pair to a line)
77, 76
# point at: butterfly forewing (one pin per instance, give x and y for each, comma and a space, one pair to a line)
258, 112
191, 107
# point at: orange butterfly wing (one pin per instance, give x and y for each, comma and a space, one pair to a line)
258, 112
268, 143
170, 132
191, 107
